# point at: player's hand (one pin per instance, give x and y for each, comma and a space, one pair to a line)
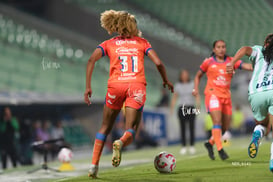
230, 68
87, 95
169, 84
195, 92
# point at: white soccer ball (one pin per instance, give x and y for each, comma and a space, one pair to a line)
65, 155
164, 162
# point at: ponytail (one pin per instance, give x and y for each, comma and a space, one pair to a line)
268, 48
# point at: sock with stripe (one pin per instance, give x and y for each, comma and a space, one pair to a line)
271, 151
98, 147
211, 140
128, 137
217, 135
260, 128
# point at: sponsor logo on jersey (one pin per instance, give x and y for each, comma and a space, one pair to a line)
221, 81
264, 84
127, 51
121, 42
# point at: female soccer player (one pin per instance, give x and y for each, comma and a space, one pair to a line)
126, 83
260, 90
217, 94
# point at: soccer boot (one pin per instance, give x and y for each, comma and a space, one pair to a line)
93, 171
271, 165
223, 155
116, 158
209, 148
254, 144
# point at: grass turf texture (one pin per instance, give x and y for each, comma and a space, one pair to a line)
198, 168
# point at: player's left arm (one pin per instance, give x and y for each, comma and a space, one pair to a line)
240, 53
161, 69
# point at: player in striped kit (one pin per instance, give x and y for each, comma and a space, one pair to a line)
260, 90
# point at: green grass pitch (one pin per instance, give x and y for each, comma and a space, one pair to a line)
197, 168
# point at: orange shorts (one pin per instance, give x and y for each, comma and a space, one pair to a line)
214, 103
131, 94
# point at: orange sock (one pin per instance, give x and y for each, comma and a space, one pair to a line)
211, 140
98, 147
217, 135
128, 137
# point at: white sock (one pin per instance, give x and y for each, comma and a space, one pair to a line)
260, 128
271, 151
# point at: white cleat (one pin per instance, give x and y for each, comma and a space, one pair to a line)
93, 171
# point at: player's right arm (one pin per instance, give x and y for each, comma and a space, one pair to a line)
198, 76
161, 69
240, 53
96, 55
203, 69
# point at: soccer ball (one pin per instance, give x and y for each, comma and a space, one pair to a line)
65, 155
164, 162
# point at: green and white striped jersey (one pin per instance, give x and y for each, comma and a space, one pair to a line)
262, 76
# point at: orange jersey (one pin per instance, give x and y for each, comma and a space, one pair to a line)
218, 82
126, 58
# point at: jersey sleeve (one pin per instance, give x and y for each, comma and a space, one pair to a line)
255, 50
147, 47
204, 66
238, 65
103, 47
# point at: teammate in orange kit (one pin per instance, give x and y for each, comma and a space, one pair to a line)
217, 94
126, 82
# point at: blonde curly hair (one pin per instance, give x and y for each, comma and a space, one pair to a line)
121, 22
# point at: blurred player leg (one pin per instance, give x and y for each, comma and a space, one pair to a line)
133, 118
217, 133
257, 135
226, 120
209, 146
109, 116
271, 151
